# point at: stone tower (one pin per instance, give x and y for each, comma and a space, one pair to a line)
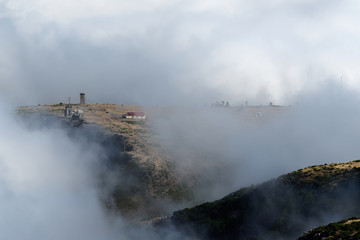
82, 98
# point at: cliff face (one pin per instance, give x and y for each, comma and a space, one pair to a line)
282, 208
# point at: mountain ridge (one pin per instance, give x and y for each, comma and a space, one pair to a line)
280, 208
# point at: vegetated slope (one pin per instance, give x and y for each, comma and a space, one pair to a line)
282, 208
149, 174
135, 178
346, 230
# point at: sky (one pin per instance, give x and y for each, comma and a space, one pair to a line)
160, 52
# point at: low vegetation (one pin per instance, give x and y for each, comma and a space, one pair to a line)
280, 208
346, 230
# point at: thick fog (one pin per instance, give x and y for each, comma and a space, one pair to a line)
48, 186
192, 53
178, 52
239, 146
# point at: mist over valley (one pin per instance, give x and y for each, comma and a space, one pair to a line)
196, 119
142, 170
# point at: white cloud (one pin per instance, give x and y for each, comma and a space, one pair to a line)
47, 187
279, 47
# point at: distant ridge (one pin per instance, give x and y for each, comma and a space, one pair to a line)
345, 230
281, 208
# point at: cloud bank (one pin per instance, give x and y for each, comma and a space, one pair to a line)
183, 52
233, 148
47, 186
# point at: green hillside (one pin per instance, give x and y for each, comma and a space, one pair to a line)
281, 208
346, 230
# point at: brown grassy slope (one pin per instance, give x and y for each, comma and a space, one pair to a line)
151, 171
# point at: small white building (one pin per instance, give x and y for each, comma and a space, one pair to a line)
68, 111
77, 114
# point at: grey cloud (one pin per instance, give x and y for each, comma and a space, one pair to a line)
246, 150
179, 53
45, 190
